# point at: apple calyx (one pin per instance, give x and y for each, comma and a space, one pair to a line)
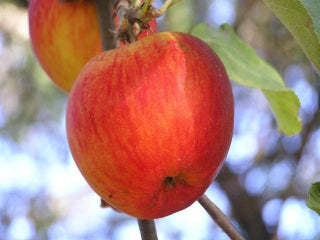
171, 182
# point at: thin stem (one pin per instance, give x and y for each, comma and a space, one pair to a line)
219, 217
147, 229
167, 4
145, 7
106, 24
135, 3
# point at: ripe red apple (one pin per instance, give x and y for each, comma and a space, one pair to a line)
149, 124
65, 36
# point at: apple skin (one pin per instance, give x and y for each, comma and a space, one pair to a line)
65, 36
149, 124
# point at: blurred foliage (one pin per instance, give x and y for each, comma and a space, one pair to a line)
29, 102
27, 94
314, 197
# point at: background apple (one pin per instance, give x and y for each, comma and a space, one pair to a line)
149, 124
65, 36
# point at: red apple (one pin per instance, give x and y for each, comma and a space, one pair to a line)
65, 36
149, 124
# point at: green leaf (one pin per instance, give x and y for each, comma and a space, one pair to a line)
314, 197
244, 66
302, 19
285, 105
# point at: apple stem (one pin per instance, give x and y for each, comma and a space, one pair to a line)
106, 24
147, 229
167, 4
135, 3
145, 7
219, 217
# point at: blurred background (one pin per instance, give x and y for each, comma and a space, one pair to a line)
262, 188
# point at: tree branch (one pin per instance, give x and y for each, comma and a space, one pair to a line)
219, 217
106, 24
147, 229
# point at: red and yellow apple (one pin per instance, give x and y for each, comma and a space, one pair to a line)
149, 124
65, 36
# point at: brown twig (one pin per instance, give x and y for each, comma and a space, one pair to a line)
106, 24
219, 217
147, 229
